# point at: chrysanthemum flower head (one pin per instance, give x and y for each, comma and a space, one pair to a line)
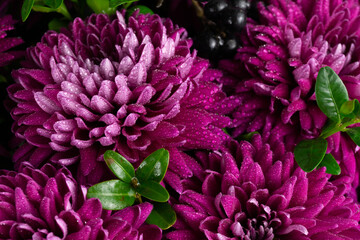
255, 191
47, 203
274, 72
133, 87
6, 43
280, 59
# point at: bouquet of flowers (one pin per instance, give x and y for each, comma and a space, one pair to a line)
180, 119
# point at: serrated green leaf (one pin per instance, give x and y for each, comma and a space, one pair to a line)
354, 134
113, 194
330, 93
26, 9
121, 167
309, 153
54, 4
162, 215
116, 3
332, 167
153, 191
154, 166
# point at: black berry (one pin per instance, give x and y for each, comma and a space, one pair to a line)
241, 4
233, 19
227, 19
228, 49
208, 44
212, 9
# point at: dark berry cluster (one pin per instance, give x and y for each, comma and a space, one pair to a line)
225, 19
229, 14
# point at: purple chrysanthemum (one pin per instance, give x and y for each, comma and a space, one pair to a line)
280, 59
6, 43
254, 191
279, 62
106, 84
347, 153
339, 145
49, 204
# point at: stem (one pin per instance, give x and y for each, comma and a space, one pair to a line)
138, 197
135, 182
63, 10
341, 127
332, 131
198, 9
127, 5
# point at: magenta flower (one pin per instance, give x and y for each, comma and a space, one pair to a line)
106, 84
279, 62
345, 151
254, 191
6, 43
280, 59
49, 204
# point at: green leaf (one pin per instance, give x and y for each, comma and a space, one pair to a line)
162, 215
247, 136
113, 194
26, 9
225, 131
56, 24
39, 8
121, 167
142, 9
309, 153
154, 166
354, 134
100, 6
61, 9
53, 3
332, 167
330, 93
64, 11
329, 127
153, 191
356, 108
115, 3
348, 108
